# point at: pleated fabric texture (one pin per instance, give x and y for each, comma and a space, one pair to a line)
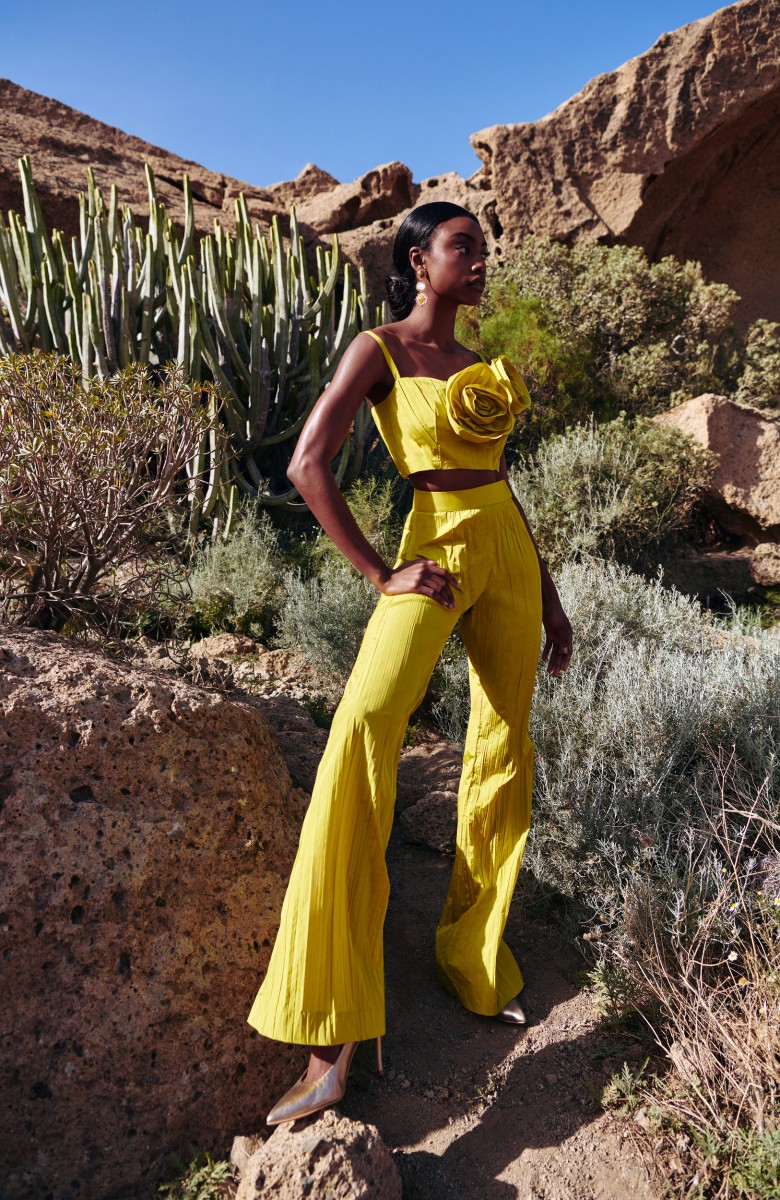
325, 979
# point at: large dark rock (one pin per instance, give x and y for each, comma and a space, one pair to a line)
147, 832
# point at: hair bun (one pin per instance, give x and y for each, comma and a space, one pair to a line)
400, 293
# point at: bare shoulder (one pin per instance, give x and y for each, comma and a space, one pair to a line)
363, 370
364, 352
392, 332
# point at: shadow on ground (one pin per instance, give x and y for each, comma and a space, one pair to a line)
472, 1107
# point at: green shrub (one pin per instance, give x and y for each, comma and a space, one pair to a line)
621, 490
598, 329
760, 381
236, 582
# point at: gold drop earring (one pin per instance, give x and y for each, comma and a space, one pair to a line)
422, 296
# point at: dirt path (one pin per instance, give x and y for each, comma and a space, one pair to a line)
470, 1107
474, 1108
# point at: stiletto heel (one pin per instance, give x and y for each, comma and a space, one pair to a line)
310, 1096
512, 1013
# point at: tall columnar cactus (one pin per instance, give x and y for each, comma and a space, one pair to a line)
241, 309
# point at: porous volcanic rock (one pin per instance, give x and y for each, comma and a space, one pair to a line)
765, 564
744, 494
147, 832
432, 821
327, 1155
677, 151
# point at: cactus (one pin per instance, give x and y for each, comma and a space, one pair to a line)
241, 309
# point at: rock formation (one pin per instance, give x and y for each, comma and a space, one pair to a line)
146, 835
744, 494
433, 821
329, 1155
675, 151
63, 142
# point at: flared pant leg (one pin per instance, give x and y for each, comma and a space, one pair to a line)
325, 979
502, 634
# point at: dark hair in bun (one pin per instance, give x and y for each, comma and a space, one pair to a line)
416, 230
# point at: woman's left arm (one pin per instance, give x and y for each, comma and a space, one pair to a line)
557, 628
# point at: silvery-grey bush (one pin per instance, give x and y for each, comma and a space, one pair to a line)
623, 490
325, 618
236, 583
625, 739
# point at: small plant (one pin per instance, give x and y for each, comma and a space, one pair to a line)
319, 710
614, 990
204, 1178
624, 1092
325, 618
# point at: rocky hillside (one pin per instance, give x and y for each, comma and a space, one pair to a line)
675, 151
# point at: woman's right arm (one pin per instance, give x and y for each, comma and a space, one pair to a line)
361, 368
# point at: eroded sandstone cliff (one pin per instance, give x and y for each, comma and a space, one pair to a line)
677, 151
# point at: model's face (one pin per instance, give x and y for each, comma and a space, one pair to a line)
455, 261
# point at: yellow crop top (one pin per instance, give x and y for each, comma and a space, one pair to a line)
432, 424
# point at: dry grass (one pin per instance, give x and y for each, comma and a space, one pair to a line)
705, 965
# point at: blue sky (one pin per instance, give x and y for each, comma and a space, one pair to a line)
257, 91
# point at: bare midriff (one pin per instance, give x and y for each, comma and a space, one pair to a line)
451, 480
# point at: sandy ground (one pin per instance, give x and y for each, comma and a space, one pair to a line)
468, 1106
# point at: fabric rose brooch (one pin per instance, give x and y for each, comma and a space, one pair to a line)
483, 400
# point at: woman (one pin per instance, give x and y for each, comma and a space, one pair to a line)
468, 555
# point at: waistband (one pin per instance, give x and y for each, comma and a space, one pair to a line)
466, 498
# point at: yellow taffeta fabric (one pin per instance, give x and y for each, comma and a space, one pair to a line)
325, 979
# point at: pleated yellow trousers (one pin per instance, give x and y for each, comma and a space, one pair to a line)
325, 979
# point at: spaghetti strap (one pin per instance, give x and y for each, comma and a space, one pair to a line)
385, 351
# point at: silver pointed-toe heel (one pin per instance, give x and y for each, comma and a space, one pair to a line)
512, 1013
306, 1097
